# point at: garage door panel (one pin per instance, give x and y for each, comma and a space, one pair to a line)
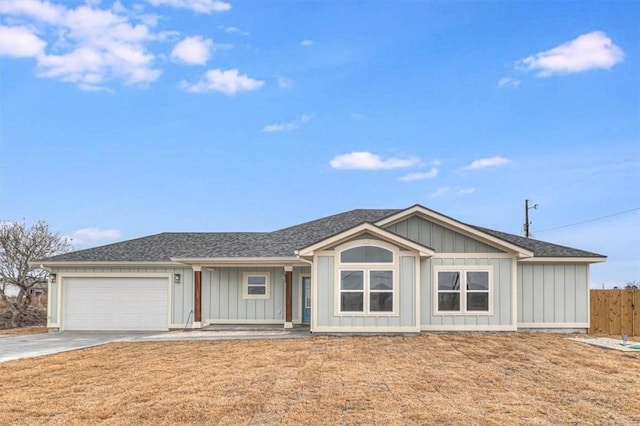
115, 303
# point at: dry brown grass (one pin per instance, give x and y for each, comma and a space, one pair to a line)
22, 330
511, 378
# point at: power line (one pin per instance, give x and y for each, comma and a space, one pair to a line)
590, 220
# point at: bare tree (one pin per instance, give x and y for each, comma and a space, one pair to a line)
632, 285
20, 245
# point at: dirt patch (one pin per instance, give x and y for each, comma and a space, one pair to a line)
35, 316
510, 378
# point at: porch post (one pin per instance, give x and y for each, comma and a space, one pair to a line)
288, 278
197, 294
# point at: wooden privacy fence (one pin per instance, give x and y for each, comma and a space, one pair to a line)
615, 312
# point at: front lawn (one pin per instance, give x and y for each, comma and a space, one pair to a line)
507, 378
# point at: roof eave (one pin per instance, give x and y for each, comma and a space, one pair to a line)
564, 259
239, 261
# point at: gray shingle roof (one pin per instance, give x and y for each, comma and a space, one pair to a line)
280, 243
539, 248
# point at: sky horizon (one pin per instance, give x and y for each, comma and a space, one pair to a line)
120, 119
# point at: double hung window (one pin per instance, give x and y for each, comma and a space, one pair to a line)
463, 289
256, 285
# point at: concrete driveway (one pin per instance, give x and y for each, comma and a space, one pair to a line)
28, 346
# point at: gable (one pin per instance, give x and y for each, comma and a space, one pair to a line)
438, 237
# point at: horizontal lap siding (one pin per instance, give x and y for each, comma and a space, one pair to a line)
553, 293
501, 293
222, 296
181, 294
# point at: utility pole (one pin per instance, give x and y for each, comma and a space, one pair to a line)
527, 232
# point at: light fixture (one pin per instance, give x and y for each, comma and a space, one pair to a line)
176, 278
52, 277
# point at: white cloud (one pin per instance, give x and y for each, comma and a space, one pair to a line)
411, 177
487, 162
193, 50
285, 127
306, 43
367, 161
593, 50
92, 46
451, 191
508, 82
233, 30
93, 236
228, 82
198, 6
20, 42
284, 83
356, 115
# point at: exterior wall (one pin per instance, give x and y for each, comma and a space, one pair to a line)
181, 295
323, 314
52, 304
501, 297
553, 295
223, 302
439, 238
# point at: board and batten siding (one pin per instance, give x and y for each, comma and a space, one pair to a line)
553, 295
181, 295
439, 238
323, 311
501, 297
223, 301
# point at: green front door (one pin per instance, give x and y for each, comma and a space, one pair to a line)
306, 300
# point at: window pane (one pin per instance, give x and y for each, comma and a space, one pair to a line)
477, 301
448, 280
381, 302
381, 280
257, 289
351, 302
351, 280
256, 280
478, 281
366, 254
449, 302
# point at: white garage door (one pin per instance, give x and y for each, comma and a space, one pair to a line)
115, 303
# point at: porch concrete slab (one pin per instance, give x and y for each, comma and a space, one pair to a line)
29, 346
233, 332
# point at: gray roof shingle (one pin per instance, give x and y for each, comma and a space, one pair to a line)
281, 243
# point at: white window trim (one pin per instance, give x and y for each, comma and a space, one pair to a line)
462, 269
245, 285
366, 268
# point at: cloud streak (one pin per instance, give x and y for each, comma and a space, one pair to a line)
198, 6
483, 163
93, 235
287, 127
229, 82
412, 177
363, 160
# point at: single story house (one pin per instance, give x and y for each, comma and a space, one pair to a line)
362, 271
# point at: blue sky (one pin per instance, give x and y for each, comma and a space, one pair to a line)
123, 119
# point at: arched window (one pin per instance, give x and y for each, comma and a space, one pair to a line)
367, 279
